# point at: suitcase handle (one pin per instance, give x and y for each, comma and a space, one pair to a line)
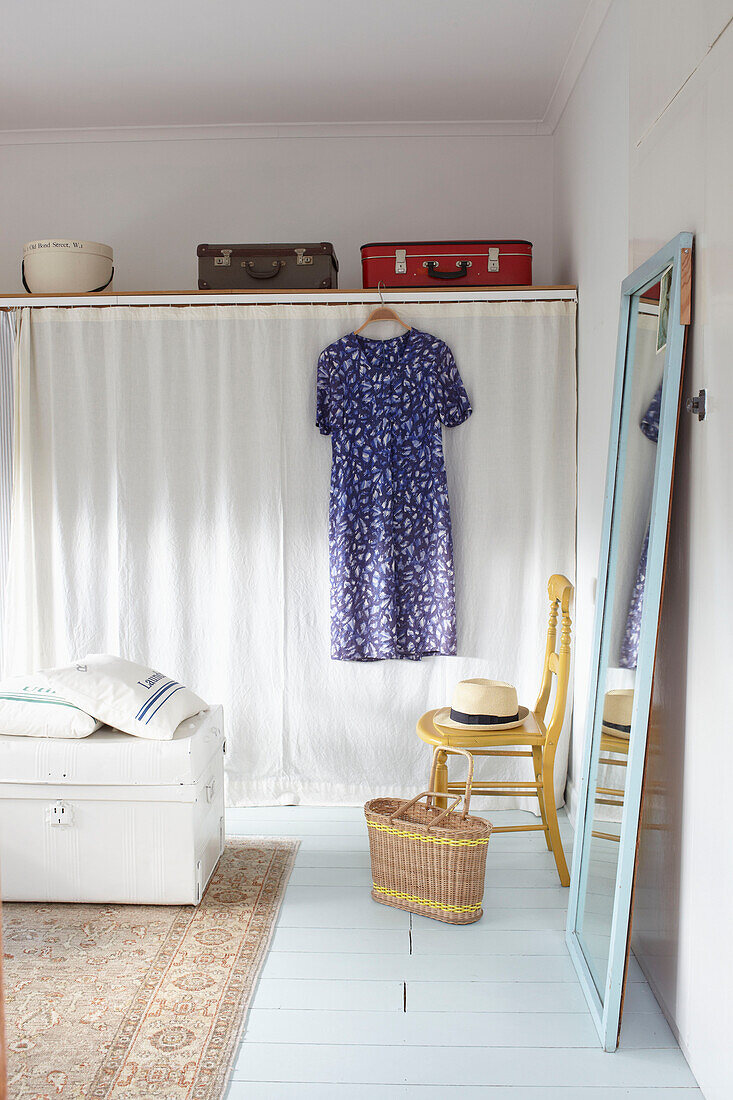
434, 273
95, 291
270, 274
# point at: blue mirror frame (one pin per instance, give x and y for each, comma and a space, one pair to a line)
677, 255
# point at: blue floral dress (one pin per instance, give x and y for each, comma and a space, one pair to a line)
630, 645
391, 550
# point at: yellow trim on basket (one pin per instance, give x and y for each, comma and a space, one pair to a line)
428, 839
425, 901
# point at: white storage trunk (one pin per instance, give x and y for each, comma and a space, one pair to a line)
113, 818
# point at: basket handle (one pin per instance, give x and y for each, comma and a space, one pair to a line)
406, 805
469, 777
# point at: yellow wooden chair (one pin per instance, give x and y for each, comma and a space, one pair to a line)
532, 738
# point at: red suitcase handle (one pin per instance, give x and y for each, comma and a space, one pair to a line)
434, 273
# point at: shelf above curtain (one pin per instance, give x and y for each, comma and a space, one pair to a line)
295, 297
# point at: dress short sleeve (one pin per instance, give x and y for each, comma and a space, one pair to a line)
451, 397
323, 394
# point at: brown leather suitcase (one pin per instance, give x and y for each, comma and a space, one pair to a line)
267, 266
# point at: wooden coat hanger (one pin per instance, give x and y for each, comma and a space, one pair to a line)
382, 313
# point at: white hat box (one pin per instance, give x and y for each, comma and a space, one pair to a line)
112, 818
66, 267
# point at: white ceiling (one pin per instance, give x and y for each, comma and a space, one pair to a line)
132, 63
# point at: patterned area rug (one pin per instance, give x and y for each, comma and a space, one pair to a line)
140, 1001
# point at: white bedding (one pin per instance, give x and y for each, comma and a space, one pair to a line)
126, 695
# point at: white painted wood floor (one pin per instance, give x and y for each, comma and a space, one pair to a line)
358, 1001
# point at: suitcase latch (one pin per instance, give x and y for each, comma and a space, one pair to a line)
301, 259
59, 813
400, 261
493, 259
223, 260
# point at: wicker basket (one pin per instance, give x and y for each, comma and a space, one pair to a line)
426, 860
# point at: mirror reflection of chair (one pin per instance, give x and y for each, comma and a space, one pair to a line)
615, 733
532, 739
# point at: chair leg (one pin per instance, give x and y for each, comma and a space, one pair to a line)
537, 761
441, 779
553, 827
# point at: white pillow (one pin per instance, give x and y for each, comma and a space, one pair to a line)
128, 696
30, 708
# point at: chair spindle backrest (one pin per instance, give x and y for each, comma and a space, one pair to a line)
557, 660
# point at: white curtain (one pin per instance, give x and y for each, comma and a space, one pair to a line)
171, 505
7, 342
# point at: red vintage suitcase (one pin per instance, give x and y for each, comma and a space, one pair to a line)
435, 263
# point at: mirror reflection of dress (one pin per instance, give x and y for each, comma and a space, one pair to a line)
630, 645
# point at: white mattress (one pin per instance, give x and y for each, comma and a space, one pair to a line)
114, 758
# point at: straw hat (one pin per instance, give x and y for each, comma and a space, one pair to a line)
482, 705
617, 707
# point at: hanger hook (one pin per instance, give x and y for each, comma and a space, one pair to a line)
380, 284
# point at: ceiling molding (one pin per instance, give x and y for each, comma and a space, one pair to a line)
257, 131
577, 56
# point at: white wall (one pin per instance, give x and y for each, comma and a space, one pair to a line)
154, 201
679, 161
590, 210
681, 167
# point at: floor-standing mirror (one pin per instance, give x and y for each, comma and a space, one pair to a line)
655, 312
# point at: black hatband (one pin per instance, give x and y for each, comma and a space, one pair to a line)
482, 719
